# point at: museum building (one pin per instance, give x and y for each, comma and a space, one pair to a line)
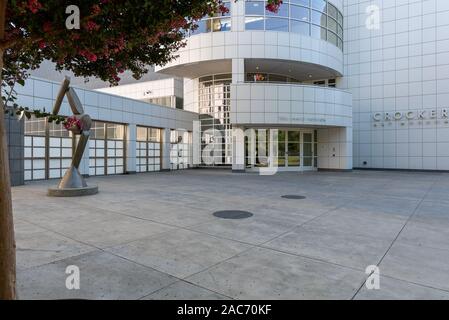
319, 85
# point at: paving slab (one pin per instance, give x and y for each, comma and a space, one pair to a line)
266, 274
254, 230
102, 276
182, 290
359, 223
437, 211
422, 233
417, 264
180, 253
343, 248
103, 229
36, 246
393, 289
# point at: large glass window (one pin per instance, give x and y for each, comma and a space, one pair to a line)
167, 101
254, 8
60, 150
299, 13
290, 150
305, 3
216, 133
276, 24
180, 149
300, 27
254, 23
106, 148
48, 149
148, 149
269, 77
319, 18
35, 149
219, 22
316, 18
319, 5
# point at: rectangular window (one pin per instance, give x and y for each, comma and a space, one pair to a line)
180, 149
305, 3
332, 38
254, 23
300, 27
47, 149
148, 149
319, 18
319, 5
332, 25
332, 11
318, 32
107, 148
254, 8
299, 13
277, 24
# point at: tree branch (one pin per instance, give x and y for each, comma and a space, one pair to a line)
6, 44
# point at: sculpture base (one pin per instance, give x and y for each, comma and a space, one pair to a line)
72, 192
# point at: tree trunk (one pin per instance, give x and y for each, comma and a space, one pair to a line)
7, 243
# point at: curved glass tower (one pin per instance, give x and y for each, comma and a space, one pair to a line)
266, 86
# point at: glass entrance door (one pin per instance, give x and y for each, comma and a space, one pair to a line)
307, 148
289, 149
295, 149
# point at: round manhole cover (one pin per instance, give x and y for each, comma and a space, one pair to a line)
232, 214
293, 197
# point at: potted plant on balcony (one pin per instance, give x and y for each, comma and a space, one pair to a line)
259, 77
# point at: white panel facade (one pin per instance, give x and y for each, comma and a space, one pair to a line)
257, 45
398, 72
290, 104
148, 89
40, 93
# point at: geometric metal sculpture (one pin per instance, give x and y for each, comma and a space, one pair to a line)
73, 184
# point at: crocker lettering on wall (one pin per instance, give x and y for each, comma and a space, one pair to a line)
412, 115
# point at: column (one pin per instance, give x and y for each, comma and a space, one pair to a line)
346, 149
166, 149
196, 143
15, 140
238, 70
131, 148
238, 150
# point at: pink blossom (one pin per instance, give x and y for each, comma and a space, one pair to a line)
273, 6
223, 9
73, 123
92, 57
34, 6
96, 9
92, 26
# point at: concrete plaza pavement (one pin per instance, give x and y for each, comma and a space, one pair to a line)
154, 236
